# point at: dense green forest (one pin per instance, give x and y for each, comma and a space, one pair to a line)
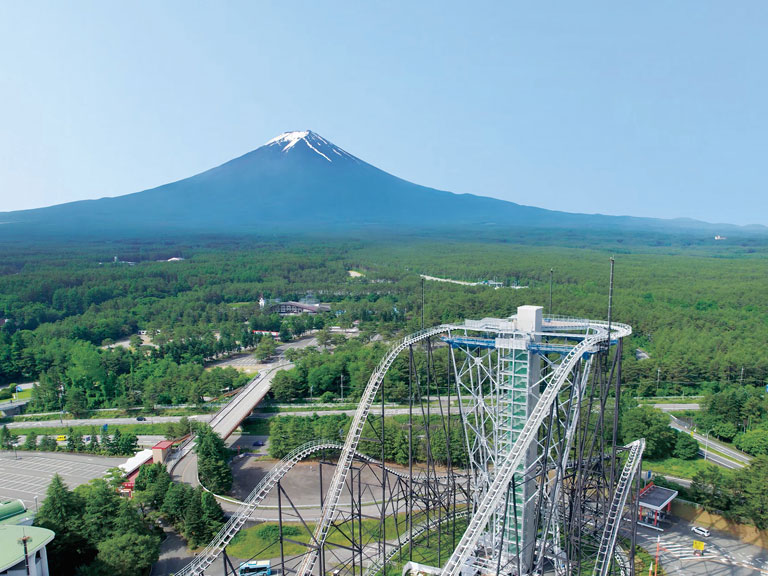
98, 532
701, 315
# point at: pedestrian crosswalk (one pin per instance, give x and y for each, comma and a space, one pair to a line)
682, 551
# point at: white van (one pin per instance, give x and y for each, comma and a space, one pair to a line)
700, 531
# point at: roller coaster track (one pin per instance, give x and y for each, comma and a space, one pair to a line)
491, 501
377, 564
503, 476
623, 488
353, 439
257, 495
205, 558
493, 496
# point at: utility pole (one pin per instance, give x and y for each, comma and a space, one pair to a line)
741, 378
342, 387
658, 379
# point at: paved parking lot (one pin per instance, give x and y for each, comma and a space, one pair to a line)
29, 474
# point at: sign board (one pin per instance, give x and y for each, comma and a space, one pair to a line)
697, 545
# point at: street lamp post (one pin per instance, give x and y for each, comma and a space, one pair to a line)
706, 444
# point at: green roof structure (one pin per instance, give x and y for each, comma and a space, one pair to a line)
12, 544
14, 512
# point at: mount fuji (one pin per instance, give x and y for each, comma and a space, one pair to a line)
299, 182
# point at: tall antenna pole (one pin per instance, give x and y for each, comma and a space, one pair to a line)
551, 274
610, 302
422, 303
23, 541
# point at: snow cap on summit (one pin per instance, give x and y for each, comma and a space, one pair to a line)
314, 142
289, 138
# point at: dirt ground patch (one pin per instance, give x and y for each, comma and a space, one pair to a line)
302, 483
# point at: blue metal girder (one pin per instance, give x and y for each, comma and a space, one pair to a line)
543, 348
457, 341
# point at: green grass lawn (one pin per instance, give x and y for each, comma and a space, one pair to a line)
261, 543
23, 395
155, 429
675, 467
428, 550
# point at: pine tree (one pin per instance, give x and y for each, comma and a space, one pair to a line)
113, 443
48, 443
212, 461
212, 512
175, 503
62, 512
101, 507
159, 488
128, 519
30, 442
128, 445
195, 529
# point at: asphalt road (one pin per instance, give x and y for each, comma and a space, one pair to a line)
736, 458
677, 407
724, 555
99, 422
226, 420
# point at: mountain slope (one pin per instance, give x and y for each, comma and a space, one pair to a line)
300, 182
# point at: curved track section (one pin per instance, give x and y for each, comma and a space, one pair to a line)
353, 439
205, 558
493, 497
248, 507
624, 487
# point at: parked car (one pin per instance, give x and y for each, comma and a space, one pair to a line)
700, 531
141, 418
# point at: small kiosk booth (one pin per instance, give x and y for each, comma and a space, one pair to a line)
655, 504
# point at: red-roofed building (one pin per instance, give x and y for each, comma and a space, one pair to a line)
160, 451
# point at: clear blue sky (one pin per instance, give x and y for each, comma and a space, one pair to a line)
643, 109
